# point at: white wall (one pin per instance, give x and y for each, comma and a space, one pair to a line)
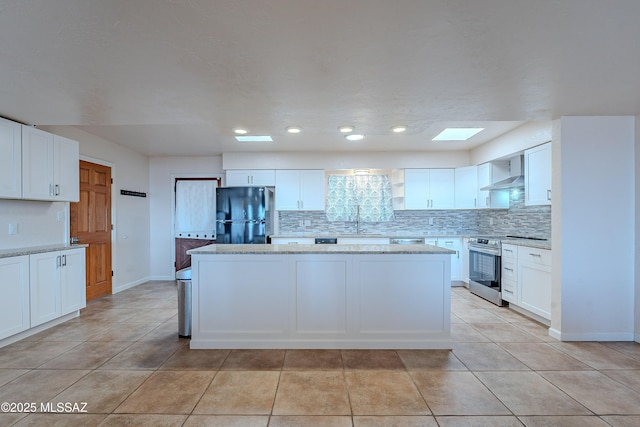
162, 174
637, 231
38, 223
526, 136
345, 160
596, 228
131, 221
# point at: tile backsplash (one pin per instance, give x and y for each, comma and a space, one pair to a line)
518, 220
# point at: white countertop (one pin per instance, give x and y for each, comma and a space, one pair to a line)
318, 249
6, 253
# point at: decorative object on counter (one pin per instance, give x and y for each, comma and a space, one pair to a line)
365, 198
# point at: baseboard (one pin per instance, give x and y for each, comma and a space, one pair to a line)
39, 328
597, 336
637, 338
129, 285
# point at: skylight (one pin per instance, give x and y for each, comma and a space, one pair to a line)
254, 138
457, 134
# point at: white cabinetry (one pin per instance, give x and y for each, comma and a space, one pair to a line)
50, 166
57, 284
14, 288
466, 187
537, 175
251, 178
455, 244
10, 159
429, 189
464, 256
509, 273
488, 173
534, 280
363, 240
300, 190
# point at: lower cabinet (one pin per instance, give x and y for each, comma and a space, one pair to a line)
455, 244
534, 279
14, 288
509, 277
57, 284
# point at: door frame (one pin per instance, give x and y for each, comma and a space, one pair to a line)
114, 219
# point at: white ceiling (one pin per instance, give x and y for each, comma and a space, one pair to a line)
174, 77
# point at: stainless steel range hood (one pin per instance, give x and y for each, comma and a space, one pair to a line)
516, 180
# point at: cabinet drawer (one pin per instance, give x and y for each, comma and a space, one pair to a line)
509, 251
509, 291
534, 255
509, 270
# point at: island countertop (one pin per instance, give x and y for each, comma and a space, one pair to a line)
318, 249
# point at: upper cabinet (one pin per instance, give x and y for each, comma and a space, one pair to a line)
11, 159
49, 166
429, 189
537, 175
466, 187
251, 178
300, 190
488, 173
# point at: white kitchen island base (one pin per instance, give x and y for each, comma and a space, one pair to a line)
320, 300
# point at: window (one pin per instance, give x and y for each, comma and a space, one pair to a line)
366, 198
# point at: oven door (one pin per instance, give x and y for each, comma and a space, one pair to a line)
485, 268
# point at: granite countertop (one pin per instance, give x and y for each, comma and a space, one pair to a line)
6, 253
362, 235
318, 249
539, 244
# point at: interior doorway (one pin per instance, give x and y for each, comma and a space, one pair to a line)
90, 224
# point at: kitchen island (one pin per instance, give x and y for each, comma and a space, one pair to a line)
321, 296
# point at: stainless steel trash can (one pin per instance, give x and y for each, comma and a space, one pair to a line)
183, 280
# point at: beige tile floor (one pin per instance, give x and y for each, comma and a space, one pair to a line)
123, 357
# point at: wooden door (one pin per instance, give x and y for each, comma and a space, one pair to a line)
91, 225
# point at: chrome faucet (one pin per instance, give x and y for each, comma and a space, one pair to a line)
357, 219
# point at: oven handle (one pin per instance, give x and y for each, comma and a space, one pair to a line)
484, 250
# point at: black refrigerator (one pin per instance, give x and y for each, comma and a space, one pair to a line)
244, 214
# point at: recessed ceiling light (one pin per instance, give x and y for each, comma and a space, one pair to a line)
398, 129
346, 129
240, 131
354, 137
457, 134
254, 138
294, 129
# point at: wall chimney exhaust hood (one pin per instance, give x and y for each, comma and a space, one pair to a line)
516, 180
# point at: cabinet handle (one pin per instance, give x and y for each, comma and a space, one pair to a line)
64, 260
458, 254
507, 291
248, 179
475, 202
51, 190
508, 269
301, 204
57, 190
549, 195
58, 261
536, 255
507, 250
487, 200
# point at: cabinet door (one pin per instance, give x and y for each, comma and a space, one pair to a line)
534, 284
11, 159
288, 190
263, 178
44, 272
238, 178
66, 179
416, 189
312, 187
37, 164
441, 188
455, 244
14, 288
537, 175
464, 256
73, 292
466, 187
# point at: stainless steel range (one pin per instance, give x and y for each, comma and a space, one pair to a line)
485, 268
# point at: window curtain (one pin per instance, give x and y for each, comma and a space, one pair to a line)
368, 194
